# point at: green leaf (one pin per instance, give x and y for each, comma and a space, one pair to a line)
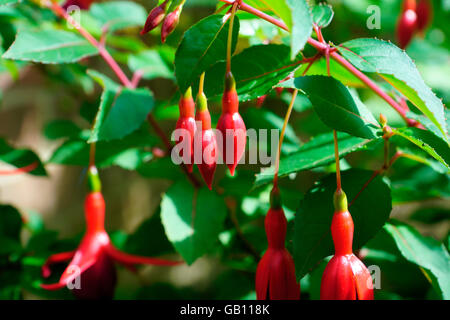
256, 70
192, 219
394, 65
427, 141
301, 28
202, 46
10, 222
322, 15
316, 153
118, 14
121, 113
61, 129
49, 46
129, 153
278, 7
336, 106
430, 255
151, 64
20, 158
312, 237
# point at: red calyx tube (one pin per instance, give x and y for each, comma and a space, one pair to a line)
208, 150
275, 275
231, 125
186, 121
155, 17
345, 276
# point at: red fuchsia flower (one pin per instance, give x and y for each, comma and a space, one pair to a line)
231, 125
171, 22
186, 121
407, 23
208, 151
424, 12
345, 276
155, 18
82, 4
93, 261
275, 275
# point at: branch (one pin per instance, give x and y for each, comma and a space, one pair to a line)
321, 46
59, 11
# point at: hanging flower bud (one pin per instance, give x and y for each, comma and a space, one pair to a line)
91, 273
345, 276
171, 22
186, 121
155, 18
82, 4
275, 275
231, 125
208, 146
424, 12
407, 24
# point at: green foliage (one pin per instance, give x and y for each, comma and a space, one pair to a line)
49, 71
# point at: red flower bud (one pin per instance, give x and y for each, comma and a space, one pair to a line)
406, 27
208, 151
155, 18
275, 275
170, 22
231, 126
82, 4
186, 121
345, 276
279, 91
424, 12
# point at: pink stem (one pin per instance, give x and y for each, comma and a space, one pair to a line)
25, 169
58, 10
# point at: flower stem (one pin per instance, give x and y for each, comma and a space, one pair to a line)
336, 156
280, 143
230, 36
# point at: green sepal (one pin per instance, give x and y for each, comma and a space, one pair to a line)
340, 201
230, 83
95, 185
202, 102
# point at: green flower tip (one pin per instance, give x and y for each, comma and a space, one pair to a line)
340, 201
230, 83
188, 94
95, 185
275, 198
202, 102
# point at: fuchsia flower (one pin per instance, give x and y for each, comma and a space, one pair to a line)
275, 275
93, 261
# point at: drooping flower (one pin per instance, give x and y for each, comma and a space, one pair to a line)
91, 274
345, 276
82, 4
275, 275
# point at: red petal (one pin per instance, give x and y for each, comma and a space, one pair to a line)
337, 280
262, 276
363, 280
53, 259
128, 259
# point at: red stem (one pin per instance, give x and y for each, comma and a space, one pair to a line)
25, 169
